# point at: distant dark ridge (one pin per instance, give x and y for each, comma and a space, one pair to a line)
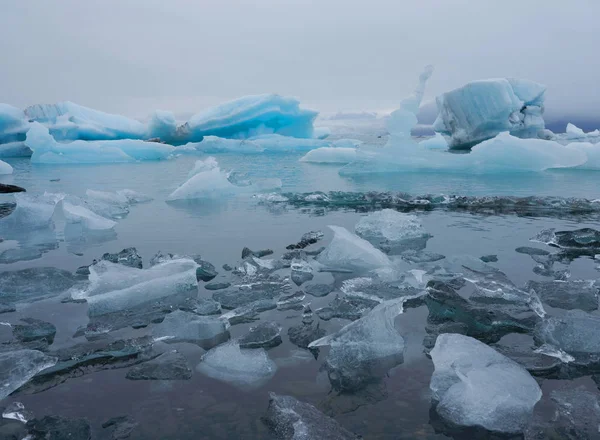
492, 205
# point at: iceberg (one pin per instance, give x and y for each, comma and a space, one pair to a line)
482, 109
46, 150
69, 121
13, 124
474, 385
88, 219
244, 368
591, 151
350, 252
333, 155
162, 125
180, 326
15, 149
250, 116
276, 143
214, 145
392, 229
575, 133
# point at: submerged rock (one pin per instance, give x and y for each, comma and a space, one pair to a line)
265, 335
306, 240
489, 258
7, 189
291, 419
59, 428
243, 368
475, 386
217, 286
346, 307
171, 365
122, 427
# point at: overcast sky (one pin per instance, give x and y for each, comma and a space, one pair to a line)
134, 56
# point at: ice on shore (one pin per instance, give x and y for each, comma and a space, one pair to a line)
575, 133
350, 252
88, 219
69, 121
392, 229
482, 109
46, 150
474, 385
250, 116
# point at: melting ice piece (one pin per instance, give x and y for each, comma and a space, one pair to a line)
171, 365
214, 144
208, 181
392, 229
88, 219
32, 212
265, 335
480, 110
180, 326
250, 116
150, 286
348, 251
70, 121
334, 155
364, 349
134, 197
474, 385
17, 367
17, 411
291, 419
46, 150
244, 368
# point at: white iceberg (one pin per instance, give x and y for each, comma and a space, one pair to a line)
481, 109
334, 155
46, 150
474, 385
575, 133
15, 149
88, 219
70, 121
592, 152
250, 116
350, 252
244, 368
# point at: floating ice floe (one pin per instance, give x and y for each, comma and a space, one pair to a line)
575, 133
46, 150
474, 385
244, 368
482, 109
208, 181
17, 367
350, 252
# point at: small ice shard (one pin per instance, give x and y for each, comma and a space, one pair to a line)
180, 326
574, 132
492, 258
249, 312
364, 349
373, 289
88, 219
127, 257
306, 240
70, 121
249, 116
32, 212
46, 150
244, 294
291, 419
244, 368
568, 295
134, 197
554, 352
34, 284
17, 411
437, 142
171, 365
585, 241
474, 385
148, 288
348, 251
302, 271
17, 367
263, 335
333, 155
291, 301
391, 229
207, 183
481, 109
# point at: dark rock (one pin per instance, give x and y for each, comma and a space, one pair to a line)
7, 189
34, 330
306, 240
168, 366
59, 428
206, 271
303, 334
489, 258
265, 335
217, 286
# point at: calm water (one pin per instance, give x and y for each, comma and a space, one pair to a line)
396, 408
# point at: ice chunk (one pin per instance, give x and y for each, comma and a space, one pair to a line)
437, 142
364, 349
180, 326
346, 307
291, 419
171, 365
210, 163
348, 251
592, 152
244, 368
70, 121
251, 115
570, 294
574, 132
17, 367
13, 124
17, 411
88, 219
335, 155
5, 168
107, 197
134, 197
391, 229
160, 281
162, 126
46, 150
480, 110
32, 212
474, 385
265, 335
205, 184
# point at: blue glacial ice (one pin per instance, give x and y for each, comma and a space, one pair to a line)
250, 116
481, 109
70, 121
89, 220
13, 124
46, 150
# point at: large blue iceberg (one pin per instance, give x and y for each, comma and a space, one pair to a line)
482, 109
12, 124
